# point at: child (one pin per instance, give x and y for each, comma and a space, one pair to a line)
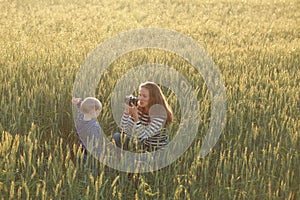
87, 127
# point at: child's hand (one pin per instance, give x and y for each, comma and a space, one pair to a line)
76, 101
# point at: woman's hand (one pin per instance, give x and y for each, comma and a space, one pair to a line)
132, 111
126, 110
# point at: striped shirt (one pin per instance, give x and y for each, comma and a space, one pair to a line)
145, 128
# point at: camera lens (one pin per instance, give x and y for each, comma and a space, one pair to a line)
131, 99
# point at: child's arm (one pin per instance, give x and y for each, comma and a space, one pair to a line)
76, 101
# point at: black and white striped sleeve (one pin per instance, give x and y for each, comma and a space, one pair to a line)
126, 123
154, 127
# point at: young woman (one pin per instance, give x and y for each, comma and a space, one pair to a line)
145, 122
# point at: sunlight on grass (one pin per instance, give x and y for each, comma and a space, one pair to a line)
254, 44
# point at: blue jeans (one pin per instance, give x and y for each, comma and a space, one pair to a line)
124, 141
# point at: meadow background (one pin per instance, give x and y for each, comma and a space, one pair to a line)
256, 46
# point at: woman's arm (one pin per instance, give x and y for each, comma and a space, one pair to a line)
126, 123
154, 127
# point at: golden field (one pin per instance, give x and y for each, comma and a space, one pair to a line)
256, 46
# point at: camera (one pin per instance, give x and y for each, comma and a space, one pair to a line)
131, 99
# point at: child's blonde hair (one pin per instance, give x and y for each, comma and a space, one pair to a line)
90, 104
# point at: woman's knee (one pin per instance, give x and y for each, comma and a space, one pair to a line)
116, 136
117, 139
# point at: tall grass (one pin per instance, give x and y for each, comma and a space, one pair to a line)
254, 44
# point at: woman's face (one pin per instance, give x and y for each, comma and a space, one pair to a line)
144, 97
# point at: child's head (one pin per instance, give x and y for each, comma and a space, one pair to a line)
91, 105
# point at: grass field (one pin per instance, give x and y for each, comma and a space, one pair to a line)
256, 46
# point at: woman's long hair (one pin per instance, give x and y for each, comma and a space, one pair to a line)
156, 96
